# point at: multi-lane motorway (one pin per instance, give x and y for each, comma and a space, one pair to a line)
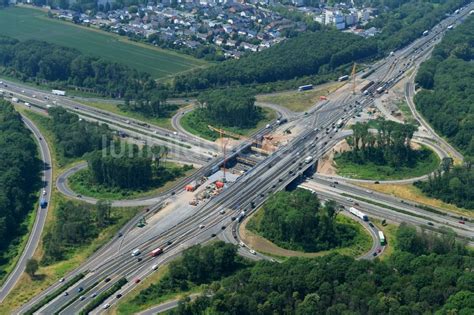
176, 232
41, 213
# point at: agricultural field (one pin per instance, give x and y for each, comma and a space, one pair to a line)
24, 23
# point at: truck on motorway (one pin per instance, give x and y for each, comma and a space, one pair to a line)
343, 78
425, 33
156, 252
241, 216
383, 242
43, 203
359, 214
59, 92
308, 159
305, 87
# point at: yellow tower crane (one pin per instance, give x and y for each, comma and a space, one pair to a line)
353, 74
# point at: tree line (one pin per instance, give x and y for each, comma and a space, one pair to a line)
390, 145
19, 179
452, 184
62, 67
427, 274
133, 168
297, 220
73, 136
309, 53
447, 82
230, 108
76, 224
198, 265
401, 22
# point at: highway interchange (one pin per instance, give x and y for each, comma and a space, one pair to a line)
182, 229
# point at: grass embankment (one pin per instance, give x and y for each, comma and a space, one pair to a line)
427, 162
300, 101
195, 124
389, 230
82, 183
407, 114
113, 107
26, 23
26, 288
251, 237
412, 193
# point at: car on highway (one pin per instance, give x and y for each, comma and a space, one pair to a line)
66, 293
169, 242
374, 254
118, 296
461, 222
61, 280
80, 289
430, 223
201, 226
137, 280
222, 211
106, 306
82, 298
371, 224
154, 267
223, 227
253, 252
213, 235
44, 192
107, 280
139, 259
93, 295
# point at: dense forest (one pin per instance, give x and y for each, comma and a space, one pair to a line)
75, 225
198, 265
75, 137
297, 220
426, 274
132, 168
447, 82
390, 145
230, 108
402, 21
19, 177
455, 184
307, 54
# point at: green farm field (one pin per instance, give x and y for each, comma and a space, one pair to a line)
25, 23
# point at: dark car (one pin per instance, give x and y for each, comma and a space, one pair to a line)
374, 254
371, 224
118, 296
139, 259
223, 227
213, 235
430, 223
80, 289
107, 279
169, 242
